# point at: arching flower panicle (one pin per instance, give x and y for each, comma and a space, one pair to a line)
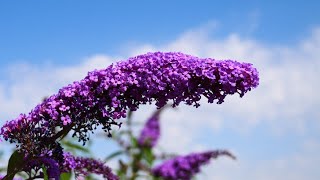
185, 167
105, 95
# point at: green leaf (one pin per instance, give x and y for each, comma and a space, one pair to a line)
65, 176
122, 171
45, 174
147, 155
129, 115
15, 164
89, 177
75, 146
113, 155
134, 142
156, 178
121, 174
1, 154
3, 169
119, 133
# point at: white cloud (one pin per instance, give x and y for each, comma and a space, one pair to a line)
27, 84
286, 99
299, 165
288, 86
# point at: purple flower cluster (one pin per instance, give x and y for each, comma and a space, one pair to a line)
51, 165
104, 96
185, 167
79, 165
150, 132
84, 166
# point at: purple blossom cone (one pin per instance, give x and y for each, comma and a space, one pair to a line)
104, 96
185, 167
85, 166
151, 131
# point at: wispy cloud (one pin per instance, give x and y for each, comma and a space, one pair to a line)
27, 84
288, 89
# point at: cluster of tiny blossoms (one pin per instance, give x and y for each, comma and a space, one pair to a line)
52, 166
151, 132
83, 166
104, 96
185, 167
80, 165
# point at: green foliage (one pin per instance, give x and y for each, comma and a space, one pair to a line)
45, 174
134, 142
113, 155
138, 160
137, 163
148, 156
15, 164
65, 176
73, 147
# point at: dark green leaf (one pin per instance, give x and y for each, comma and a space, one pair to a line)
75, 146
113, 155
122, 171
14, 165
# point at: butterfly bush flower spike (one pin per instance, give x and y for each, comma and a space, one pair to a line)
185, 167
105, 95
85, 166
151, 132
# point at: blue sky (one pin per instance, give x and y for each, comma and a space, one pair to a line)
275, 128
65, 32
